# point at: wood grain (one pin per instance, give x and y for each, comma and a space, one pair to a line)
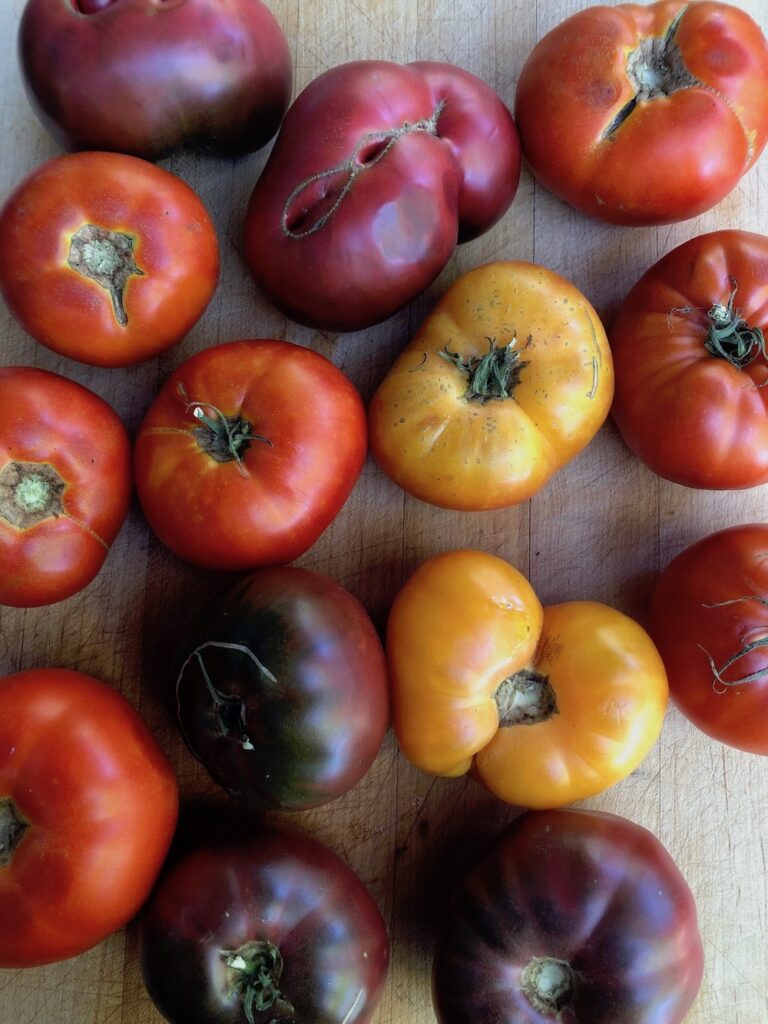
602, 529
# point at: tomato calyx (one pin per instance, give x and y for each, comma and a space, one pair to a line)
525, 698
105, 257
30, 492
492, 376
255, 971
721, 685
13, 825
224, 438
548, 985
730, 337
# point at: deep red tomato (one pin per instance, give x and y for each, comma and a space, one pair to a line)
106, 258
248, 453
578, 917
645, 114
88, 806
65, 484
150, 76
691, 365
282, 689
378, 170
273, 927
709, 619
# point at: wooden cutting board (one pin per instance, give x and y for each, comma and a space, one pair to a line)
602, 529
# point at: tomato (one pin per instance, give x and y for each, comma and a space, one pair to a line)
88, 806
105, 258
576, 916
378, 170
282, 689
267, 927
709, 619
545, 706
151, 76
645, 114
691, 364
248, 453
65, 484
507, 379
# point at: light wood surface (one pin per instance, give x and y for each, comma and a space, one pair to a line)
602, 529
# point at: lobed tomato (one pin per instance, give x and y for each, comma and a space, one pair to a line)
105, 258
645, 114
88, 806
507, 379
545, 706
65, 484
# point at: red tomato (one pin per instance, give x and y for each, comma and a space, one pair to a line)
88, 806
709, 619
65, 484
645, 114
691, 366
248, 453
105, 258
378, 170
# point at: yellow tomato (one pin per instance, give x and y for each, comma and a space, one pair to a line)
545, 706
509, 377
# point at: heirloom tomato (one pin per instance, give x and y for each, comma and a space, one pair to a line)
691, 365
579, 917
507, 379
65, 484
105, 258
282, 689
378, 171
267, 927
151, 76
248, 453
545, 706
645, 114
88, 805
709, 619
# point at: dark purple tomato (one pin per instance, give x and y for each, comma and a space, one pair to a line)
578, 917
282, 689
270, 929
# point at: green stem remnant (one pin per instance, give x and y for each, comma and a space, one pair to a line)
494, 375
255, 970
548, 985
30, 492
105, 257
525, 698
12, 829
730, 336
224, 438
720, 685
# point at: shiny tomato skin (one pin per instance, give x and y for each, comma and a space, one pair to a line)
164, 236
693, 417
598, 686
677, 153
155, 76
53, 423
709, 604
378, 171
461, 452
282, 689
586, 888
275, 885
271, 505
100, 802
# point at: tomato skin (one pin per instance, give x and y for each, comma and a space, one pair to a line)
274, 506
155, 77
692, 417
584, 887
378, 170
278, 885
52, 421
448, 708
309, 728
100, 800
175, 257
469, 454
677, 153
690, 623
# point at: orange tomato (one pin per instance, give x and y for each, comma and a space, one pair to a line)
509, 377
545, 706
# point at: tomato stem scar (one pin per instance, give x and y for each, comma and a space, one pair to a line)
548, 984
30, 492
12, 828
224, 438
525, 698
720, 685
105, 257
256, 968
